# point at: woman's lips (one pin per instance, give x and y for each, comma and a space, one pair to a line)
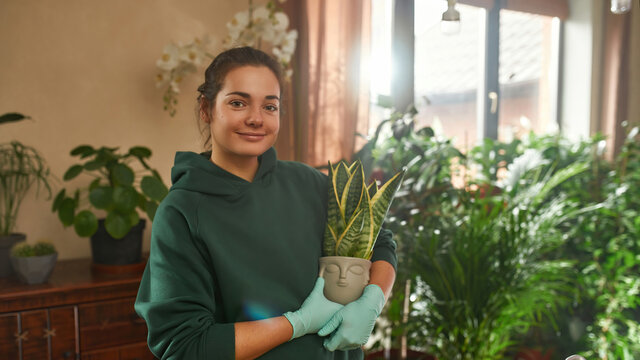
251, 136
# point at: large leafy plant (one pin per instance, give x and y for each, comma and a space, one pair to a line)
117, 190
21, 167
355, 210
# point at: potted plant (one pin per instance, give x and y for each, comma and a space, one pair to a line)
355, 213
34, 264
116, 193
21, 167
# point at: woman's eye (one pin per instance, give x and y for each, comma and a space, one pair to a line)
236, 103
358, 270
271, 108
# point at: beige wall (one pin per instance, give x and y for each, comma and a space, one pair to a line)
84, 70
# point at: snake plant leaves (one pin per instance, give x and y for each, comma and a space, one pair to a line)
355, 211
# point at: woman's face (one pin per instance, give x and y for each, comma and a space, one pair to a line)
245, 118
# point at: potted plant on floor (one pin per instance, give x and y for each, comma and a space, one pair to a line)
116, 194
21, 167
34, 264
355, 213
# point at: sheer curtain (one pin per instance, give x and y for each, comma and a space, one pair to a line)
328, 96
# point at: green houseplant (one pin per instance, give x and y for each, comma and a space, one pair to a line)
21, 167
355, 213
117, 192
34, 263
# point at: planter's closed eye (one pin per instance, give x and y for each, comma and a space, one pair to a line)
332, 268
356, 269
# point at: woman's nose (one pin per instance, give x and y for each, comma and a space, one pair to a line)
255, 117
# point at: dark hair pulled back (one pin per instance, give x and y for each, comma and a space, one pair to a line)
216, 73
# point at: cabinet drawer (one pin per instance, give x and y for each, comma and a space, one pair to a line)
109, 324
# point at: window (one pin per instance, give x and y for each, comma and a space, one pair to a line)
497, 77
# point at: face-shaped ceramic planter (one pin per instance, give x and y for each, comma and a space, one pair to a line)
344, 277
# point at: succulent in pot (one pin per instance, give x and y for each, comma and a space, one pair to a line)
21, 168
34, 263
117, 192
355, 212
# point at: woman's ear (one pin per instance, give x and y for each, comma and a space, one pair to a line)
205, 112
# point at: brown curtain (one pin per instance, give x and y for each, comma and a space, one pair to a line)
328, 97
615, 78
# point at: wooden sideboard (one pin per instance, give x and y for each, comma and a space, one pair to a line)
78, 314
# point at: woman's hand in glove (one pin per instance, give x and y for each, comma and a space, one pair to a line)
314, 313
354, 322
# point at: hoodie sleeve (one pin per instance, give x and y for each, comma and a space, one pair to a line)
176, 295
385, 248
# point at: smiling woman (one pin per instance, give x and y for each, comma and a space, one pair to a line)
235, 245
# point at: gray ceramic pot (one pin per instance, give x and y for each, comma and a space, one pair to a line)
34, 269
6, 243
344, 277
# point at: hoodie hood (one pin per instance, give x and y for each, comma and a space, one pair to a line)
196, 172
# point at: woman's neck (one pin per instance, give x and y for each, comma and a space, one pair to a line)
244, 167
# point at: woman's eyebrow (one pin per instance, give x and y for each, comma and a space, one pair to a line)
247, 96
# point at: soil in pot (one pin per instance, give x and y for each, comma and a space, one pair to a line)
344, 277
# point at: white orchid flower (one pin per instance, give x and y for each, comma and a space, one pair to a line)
170, 57
163, 78
280, 21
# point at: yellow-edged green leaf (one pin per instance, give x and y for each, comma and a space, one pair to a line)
333, 210
380, 204
330, 241
352, 196
349, 237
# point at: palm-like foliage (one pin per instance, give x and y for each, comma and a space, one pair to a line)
355, 210
485, 274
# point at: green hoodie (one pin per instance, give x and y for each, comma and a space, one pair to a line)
225, 250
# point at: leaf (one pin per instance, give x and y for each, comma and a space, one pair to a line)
352, 196
12, 117
380, 206
101, 197
73, 171
66, 211
150, 208
121, 174
330, 241
134, 218
94, 184
117, 225
350, 235
125, 199
83, 150
340, 178
140, 151
58, 200
153, 188
94, 165
334, 216
85, 223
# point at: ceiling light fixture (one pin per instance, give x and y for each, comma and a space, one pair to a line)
450, 23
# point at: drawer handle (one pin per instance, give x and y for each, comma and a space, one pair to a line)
22, 337
49, 333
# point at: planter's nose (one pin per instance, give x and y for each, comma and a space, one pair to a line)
342, 282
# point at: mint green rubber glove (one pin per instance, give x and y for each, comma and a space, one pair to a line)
315, 311
355, 321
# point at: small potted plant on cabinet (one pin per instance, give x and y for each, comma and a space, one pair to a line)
355, 213
33, 264
21, 167
117, 193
